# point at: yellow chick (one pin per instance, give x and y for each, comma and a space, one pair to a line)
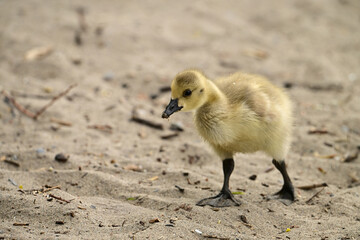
240, 113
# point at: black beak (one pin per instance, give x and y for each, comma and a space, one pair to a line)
171, 108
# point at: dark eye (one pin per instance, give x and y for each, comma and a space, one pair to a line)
187, 93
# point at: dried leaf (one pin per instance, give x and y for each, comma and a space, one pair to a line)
321, 170
330, 156
154, 178
238, 193
155, 220
38, 52
318, 131
133, 167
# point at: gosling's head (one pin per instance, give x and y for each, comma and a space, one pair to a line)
187, 92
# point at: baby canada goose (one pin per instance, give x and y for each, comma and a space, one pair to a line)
238, 113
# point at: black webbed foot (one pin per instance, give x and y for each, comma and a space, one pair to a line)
223, 199
287, 194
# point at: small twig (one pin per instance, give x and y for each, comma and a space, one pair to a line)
215, 237
180, 188
58, 198
84, 175
147, 122
18, 106
169, 136
318, 131
43, 109
316, 194
20, 224
104, 128
51, 188
61, 122
16, 164
269, 169
308, 187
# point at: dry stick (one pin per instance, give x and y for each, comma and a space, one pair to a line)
215, 237
59, 198
61, 122
147, 122
308, 187
12, 162
309, 200
20, 224
104, 128
43, 109
18, 106
52, 188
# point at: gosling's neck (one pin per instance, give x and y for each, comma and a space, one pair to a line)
213, 95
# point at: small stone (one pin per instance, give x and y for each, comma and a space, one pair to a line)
60, 157
253, 177
288, 85
40, 151
177, 126
243, 219
108, 76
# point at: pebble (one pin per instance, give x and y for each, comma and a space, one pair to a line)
40, 151
253, 177
108, 76
12, 182
177, 126
352, 77
60, 157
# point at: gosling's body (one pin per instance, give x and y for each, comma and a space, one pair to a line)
239, 113
245, 114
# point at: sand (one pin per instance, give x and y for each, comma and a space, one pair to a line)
119, 180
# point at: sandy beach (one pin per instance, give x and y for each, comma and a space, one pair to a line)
101, 163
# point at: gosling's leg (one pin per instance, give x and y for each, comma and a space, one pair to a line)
225, 198
286, 194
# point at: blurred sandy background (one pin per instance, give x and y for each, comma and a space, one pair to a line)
119, 181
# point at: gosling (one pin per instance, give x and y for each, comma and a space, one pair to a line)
240, 113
